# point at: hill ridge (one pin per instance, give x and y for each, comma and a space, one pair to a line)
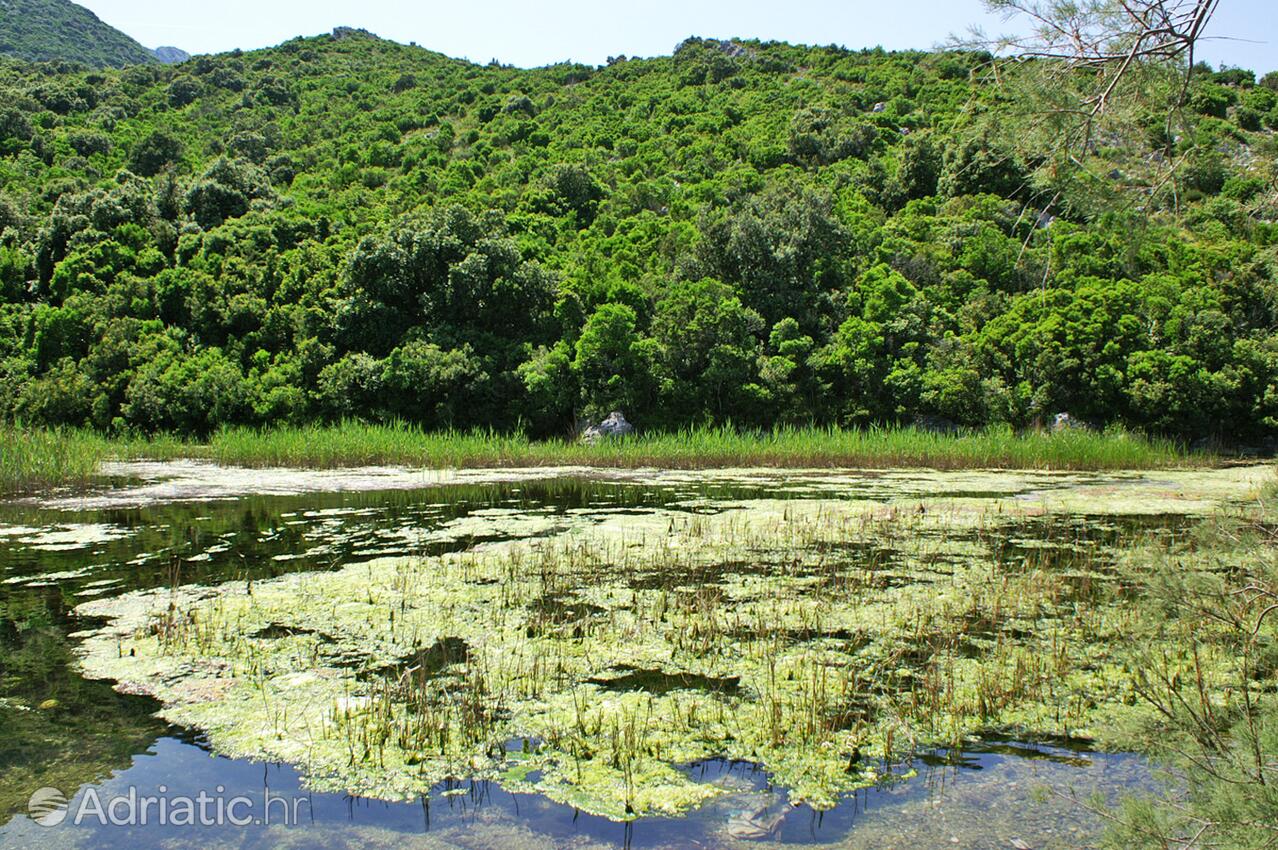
49, 30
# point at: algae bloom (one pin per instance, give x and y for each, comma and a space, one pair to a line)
827, 634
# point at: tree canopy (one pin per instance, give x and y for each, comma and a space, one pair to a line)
742, 231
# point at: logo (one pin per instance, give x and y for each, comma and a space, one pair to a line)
47, 807
50, 807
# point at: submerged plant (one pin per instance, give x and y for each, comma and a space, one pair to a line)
825, 639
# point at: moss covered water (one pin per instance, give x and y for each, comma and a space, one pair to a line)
596, 644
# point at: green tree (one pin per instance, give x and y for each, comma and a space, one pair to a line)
781, 248
190, 394
441, 389
608, 362
708, 348
157, 151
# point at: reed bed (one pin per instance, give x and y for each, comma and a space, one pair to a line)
32, 459
355, 444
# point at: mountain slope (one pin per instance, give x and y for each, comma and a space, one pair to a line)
40, 30
750, 232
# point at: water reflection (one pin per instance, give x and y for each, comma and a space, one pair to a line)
979, 801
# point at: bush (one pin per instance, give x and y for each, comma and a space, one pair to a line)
154, 153
183, 91
88, 142
188, 394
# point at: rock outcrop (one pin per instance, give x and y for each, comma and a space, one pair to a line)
171, 55
1065, 422
615, 425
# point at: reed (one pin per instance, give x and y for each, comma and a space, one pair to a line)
355, 444
32, 459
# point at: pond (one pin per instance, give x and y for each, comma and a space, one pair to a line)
571, 658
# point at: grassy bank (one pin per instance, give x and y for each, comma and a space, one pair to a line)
34, 459
354, 443
54, 457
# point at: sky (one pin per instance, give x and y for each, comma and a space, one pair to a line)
529, 33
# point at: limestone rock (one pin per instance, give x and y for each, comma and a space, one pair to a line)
1065, 422
615, 425
171, 55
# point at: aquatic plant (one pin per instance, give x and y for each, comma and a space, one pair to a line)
39, 458
826, 640
35, 458
354, 443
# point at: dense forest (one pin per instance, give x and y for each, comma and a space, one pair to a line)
755, 233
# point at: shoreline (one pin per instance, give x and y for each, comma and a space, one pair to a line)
38, 460
141, 483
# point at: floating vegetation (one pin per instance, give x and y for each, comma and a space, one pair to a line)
593, 663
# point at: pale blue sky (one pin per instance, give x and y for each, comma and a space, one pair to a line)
539, 32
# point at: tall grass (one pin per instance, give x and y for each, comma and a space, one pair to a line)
36, 458
352, 444
360, 444
32, 459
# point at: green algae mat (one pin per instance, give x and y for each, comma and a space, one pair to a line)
825, 626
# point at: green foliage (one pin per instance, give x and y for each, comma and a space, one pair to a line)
424, 383
979, 166
742, 232
608, 364
822, 136
706, 341
781, 248
154, 153
225, 191
186, 393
